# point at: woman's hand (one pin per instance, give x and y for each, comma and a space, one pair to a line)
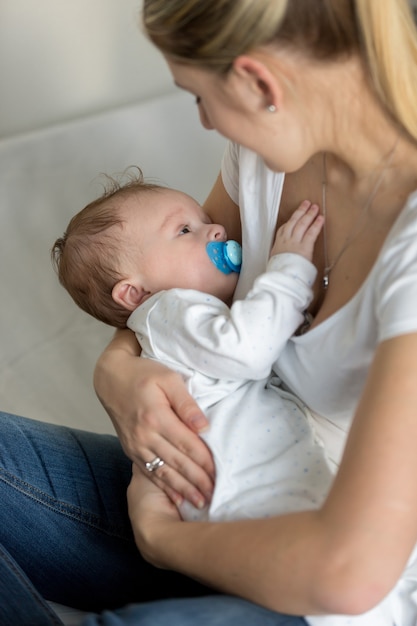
150, 510
154, 416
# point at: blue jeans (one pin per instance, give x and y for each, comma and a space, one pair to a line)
204, 611
65, 536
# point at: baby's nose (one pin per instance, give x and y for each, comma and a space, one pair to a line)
217, 233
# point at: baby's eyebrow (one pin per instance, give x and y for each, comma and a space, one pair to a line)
169, 219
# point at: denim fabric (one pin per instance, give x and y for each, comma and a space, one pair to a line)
64, 523
65, 537
20, 603
208, 611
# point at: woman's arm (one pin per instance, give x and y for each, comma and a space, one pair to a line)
145, 400
343, 558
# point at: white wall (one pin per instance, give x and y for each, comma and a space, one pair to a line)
64, 60
60, 59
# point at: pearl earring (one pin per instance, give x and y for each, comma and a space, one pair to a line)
271, 108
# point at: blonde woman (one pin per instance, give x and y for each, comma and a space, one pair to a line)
324, 91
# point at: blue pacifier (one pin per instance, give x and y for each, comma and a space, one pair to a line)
226, 255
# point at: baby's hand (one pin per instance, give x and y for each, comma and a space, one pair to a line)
300, 233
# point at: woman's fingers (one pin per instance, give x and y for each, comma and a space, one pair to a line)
185, 458
177, 488
159, 432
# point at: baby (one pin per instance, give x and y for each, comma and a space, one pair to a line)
149, 258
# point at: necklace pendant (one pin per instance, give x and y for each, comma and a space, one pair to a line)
325, 281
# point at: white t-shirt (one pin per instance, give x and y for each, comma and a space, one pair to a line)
326, 367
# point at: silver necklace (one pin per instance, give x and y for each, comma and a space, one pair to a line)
359, 226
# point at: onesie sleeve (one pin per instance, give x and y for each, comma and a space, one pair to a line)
397, 277
201, 333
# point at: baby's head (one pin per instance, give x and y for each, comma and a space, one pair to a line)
137, 239
88, 258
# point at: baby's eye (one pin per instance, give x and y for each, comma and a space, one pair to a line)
184, 230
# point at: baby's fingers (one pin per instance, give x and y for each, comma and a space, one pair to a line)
306, 219
300, 233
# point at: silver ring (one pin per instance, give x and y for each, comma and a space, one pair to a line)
151, 466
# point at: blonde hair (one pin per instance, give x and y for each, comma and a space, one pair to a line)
389, 42
87, 257
212, 33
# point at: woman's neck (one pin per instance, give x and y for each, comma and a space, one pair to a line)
360, 138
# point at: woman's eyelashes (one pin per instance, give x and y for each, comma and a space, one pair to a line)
197, 100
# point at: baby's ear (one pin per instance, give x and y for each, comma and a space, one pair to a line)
128, 294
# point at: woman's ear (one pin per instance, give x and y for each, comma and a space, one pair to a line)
128, 294
259, 81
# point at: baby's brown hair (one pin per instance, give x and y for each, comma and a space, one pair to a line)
86, 258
